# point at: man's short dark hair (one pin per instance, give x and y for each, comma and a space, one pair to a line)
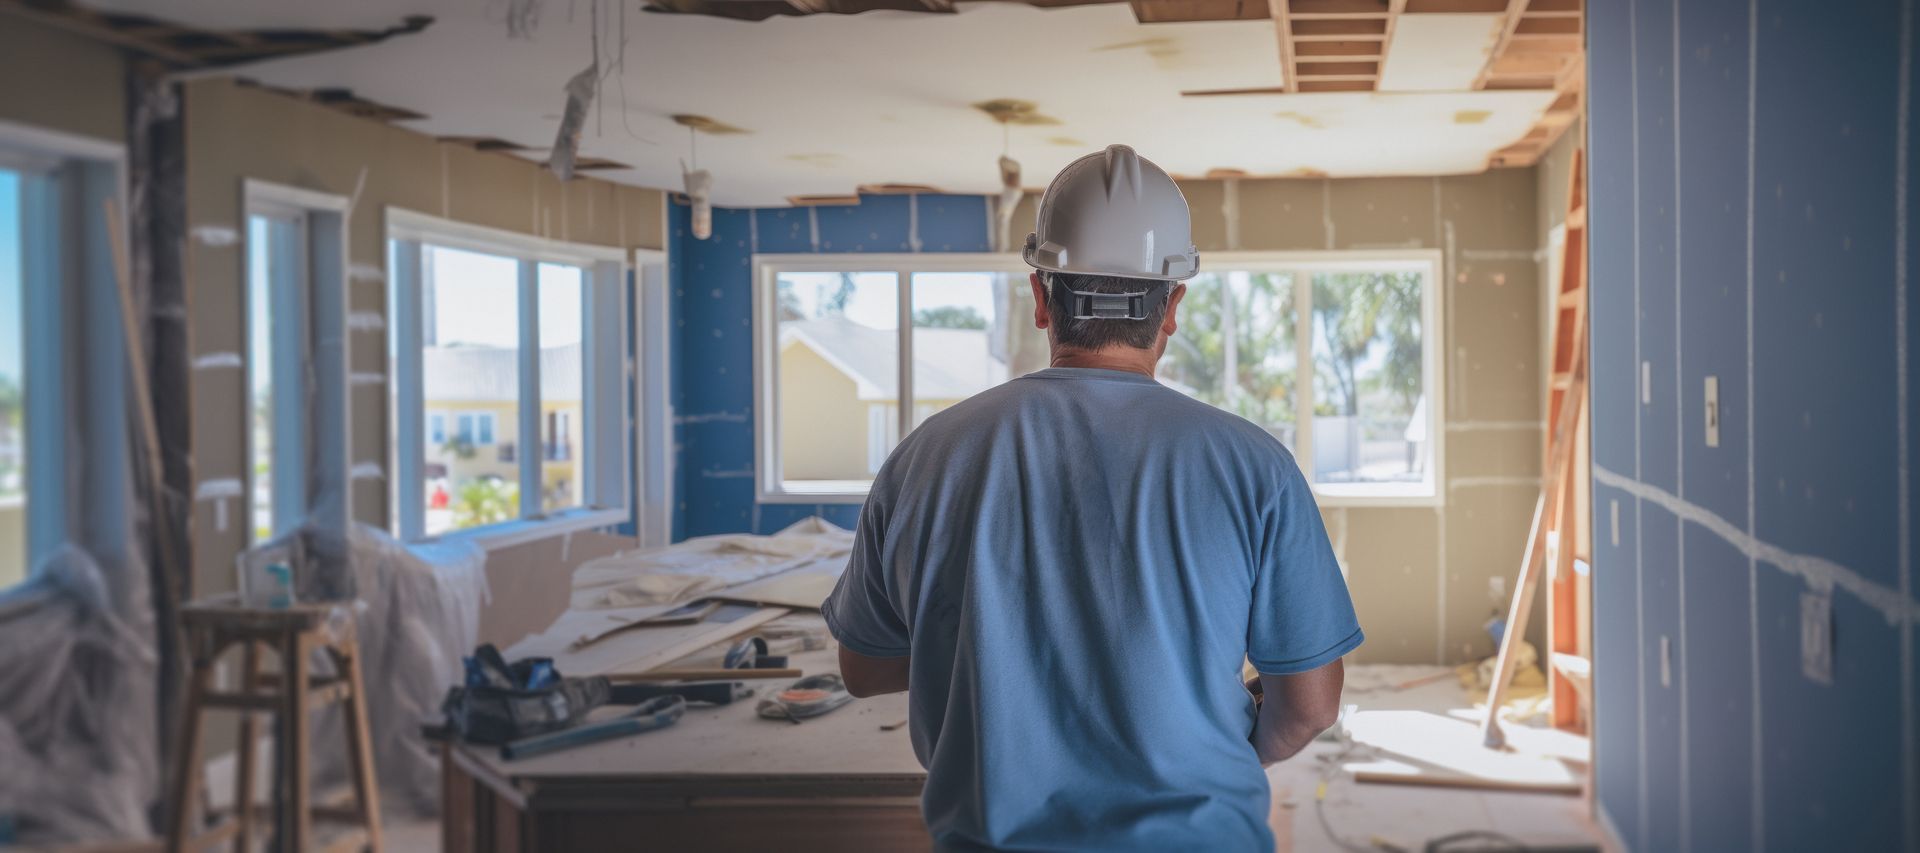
1099, 334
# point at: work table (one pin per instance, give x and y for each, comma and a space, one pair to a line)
721, 778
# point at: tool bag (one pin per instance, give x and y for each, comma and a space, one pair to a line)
502, 702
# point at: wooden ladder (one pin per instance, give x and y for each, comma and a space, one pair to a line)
1560, 522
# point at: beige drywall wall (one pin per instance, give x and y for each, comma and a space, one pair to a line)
54, 80
237, 132
1420, 575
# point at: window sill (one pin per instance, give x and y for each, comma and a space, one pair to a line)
824, 492
507, 534
1352, 495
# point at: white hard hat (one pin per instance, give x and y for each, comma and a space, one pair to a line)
1114, 213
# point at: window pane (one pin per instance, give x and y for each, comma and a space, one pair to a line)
13, 439
470, 366
260, 376
1235, 347
1370, 419
562, 330
971, 331
838, 357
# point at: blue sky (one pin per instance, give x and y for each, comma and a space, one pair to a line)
10, 307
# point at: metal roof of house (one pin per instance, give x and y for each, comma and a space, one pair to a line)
949, 364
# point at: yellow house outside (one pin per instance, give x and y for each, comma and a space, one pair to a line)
839, 396
473, 430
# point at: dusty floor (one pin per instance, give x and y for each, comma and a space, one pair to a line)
1433, 725
1428, 725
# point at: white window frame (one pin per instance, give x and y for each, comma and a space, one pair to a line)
650, 375
1301, 266
604, 458
72, 305
767, 268
318, 415
768, 486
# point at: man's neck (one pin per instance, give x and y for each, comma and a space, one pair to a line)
1129, 359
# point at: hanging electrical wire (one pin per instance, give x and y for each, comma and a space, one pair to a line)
699, 184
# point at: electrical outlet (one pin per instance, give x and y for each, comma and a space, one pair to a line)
1713, 411
1816, 637
1666, 661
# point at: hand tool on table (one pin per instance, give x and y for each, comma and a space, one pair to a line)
700, 675
709, 693
808, 697
656, 713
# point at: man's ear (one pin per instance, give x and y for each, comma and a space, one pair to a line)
1171, 323
1041, 316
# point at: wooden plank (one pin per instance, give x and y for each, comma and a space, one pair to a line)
1338, 50
1455, 7
1392, 777
1507, 25
1283, 35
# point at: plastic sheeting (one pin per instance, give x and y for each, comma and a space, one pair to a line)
683, 571
418, 611
77, 703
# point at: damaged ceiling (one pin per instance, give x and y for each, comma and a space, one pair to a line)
821, 104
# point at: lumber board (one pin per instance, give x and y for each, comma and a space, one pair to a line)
1445, 780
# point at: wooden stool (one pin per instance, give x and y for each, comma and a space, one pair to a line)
213, 625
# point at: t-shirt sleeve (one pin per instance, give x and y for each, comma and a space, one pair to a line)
859, 612
1302, 615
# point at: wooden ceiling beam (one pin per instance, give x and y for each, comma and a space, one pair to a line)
1330, 51
1283, 32
85, 22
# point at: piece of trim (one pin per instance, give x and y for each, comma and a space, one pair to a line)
507, 534
404, 224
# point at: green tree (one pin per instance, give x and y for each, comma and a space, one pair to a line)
1261, 387
949, 317
485, 501
1352, 313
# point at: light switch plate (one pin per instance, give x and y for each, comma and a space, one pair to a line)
1816, 637
1646, 383
1713, 411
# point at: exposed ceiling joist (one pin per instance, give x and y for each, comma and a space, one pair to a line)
196, 47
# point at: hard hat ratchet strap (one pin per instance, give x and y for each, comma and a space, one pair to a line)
1088, 305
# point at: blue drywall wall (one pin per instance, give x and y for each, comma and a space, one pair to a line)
1750, 187
712, 306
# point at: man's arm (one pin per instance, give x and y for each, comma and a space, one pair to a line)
867, 676
1293, 711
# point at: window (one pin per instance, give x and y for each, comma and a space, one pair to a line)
1363, 418
495, 337
60, 338
562, 329
294, 362
833, 334
275, 346
13, 435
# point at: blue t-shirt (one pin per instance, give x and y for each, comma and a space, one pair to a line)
1078, 560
